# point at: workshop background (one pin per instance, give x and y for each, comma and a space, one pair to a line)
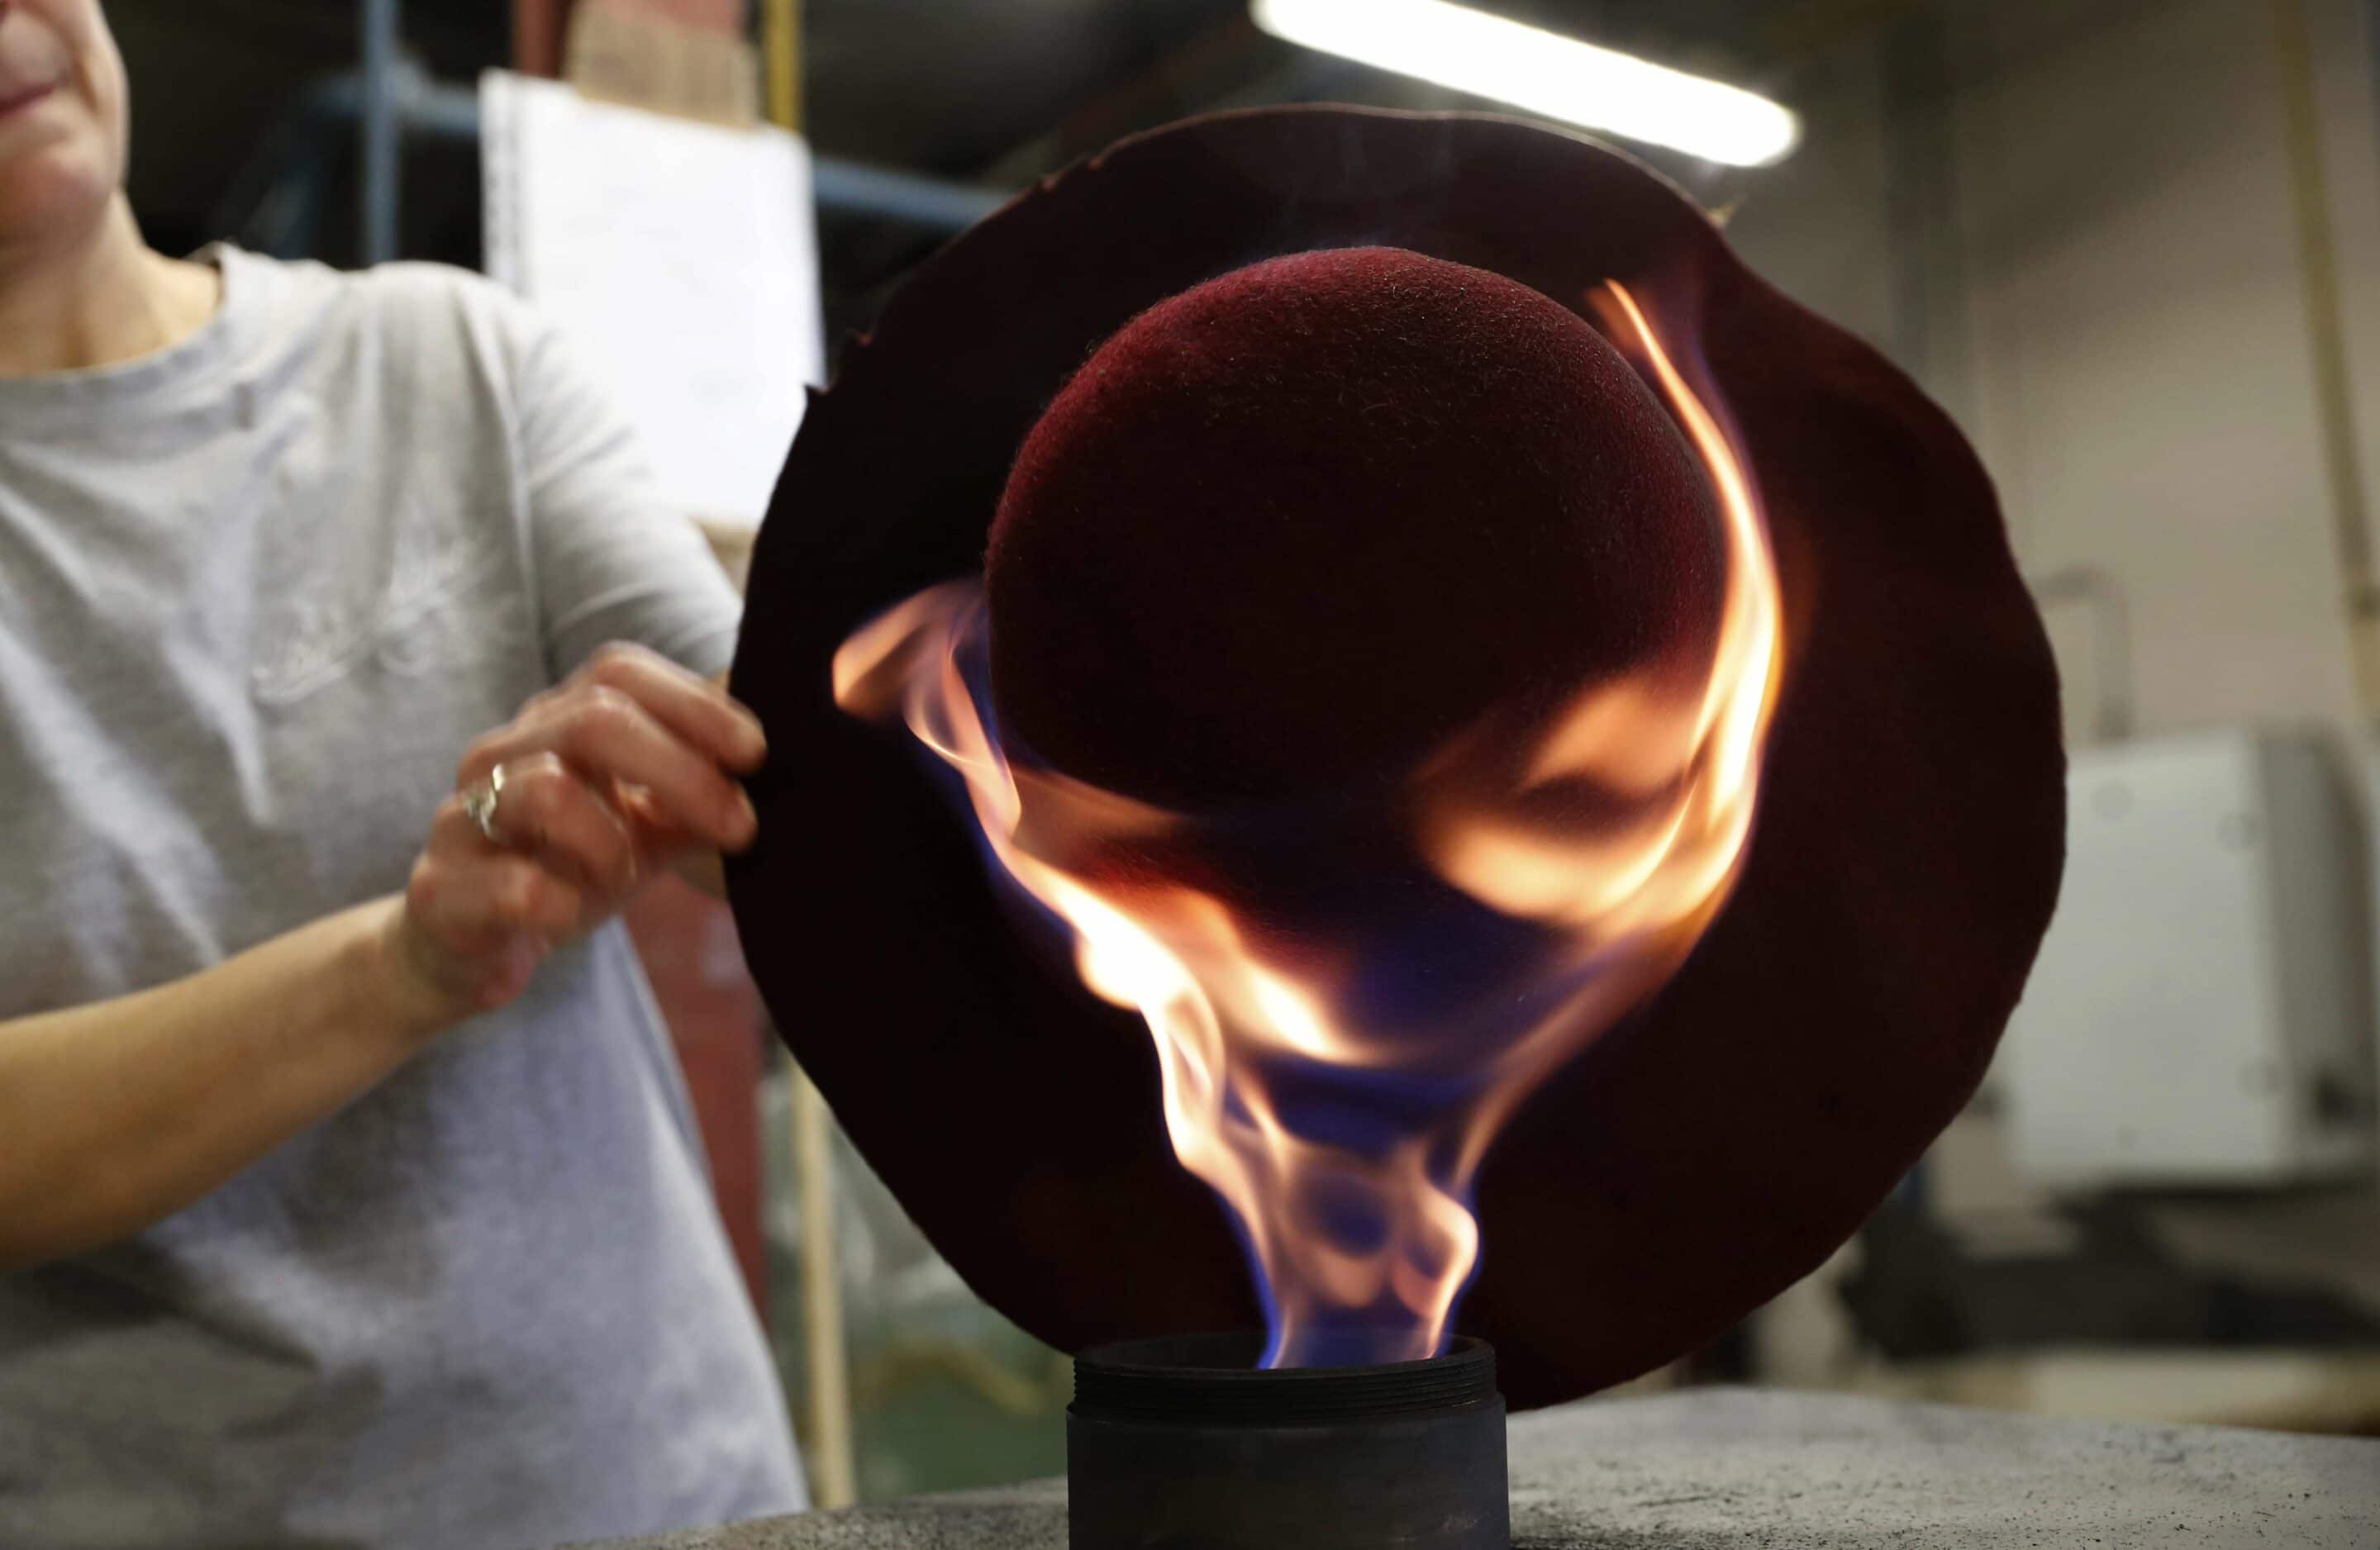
2132, 245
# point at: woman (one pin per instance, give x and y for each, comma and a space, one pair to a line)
347, 1188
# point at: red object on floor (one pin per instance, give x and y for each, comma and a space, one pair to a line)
689, 944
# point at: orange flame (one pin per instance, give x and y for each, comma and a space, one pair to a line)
1362, 1233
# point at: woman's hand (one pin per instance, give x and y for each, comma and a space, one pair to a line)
626, 768
121, 1112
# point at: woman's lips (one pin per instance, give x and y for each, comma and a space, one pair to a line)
14, 102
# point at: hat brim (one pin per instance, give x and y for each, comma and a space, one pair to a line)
1697, 1159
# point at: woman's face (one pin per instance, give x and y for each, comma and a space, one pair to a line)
62, 119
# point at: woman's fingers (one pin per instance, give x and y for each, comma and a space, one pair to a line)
698, 711
547, 812
609, 739
482, 918
623, 768
484, 913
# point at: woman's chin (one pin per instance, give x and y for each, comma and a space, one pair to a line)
56, 188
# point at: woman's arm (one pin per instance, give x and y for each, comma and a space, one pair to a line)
116, 1114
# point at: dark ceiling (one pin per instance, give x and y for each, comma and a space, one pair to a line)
995, 91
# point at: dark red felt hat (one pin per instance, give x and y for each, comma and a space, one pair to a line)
1695, 1160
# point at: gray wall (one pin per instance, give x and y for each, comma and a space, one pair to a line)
2081, 238
2084, 243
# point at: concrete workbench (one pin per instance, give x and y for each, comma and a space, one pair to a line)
1744, 1469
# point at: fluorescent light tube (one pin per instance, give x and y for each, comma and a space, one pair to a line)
1543, 72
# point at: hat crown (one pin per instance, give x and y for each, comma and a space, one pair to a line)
1297, 526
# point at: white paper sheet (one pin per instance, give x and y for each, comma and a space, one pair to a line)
682, 259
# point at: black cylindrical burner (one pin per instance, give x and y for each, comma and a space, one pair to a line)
1183, 1444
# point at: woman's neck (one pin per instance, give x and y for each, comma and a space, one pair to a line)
70, 305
